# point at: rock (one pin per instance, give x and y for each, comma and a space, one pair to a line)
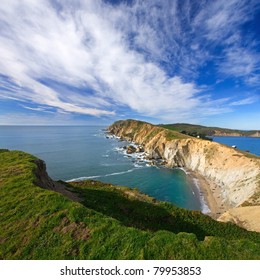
139, 149
148, 158
130, 149
152, 163
204, 157
246, 217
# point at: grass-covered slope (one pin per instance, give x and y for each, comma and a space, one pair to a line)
192, 129
108, 222
130, 128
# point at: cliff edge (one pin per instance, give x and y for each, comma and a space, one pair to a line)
235, 173
40, 220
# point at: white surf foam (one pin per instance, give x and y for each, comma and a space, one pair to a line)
205, 208
82, 178
98, 176
119, 173
138, 165
184, 170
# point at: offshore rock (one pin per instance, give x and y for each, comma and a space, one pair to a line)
130, 149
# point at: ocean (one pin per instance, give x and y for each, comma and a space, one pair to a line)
84, 152
251, 144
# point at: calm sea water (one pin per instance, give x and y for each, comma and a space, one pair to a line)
251, 144
84, 153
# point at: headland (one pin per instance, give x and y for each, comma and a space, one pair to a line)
229, 178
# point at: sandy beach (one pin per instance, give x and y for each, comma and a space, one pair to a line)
212, 195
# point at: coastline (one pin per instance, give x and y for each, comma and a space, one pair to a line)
207, 191
211, 192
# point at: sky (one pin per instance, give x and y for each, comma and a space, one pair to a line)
75, 62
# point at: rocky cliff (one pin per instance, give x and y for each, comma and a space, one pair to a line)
235, 172
246, 217
108, 222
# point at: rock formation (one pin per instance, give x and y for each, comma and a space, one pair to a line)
237, 173
130, 149
246, 217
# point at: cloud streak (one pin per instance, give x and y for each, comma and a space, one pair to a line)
94, 58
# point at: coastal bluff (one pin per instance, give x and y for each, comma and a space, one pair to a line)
235, 173
42, 219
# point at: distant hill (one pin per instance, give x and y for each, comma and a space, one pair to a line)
43, 219
195, 130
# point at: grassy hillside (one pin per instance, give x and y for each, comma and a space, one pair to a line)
108, 222
207, 131
153, 130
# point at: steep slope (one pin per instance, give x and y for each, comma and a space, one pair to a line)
247, 217
236, 173
109, 222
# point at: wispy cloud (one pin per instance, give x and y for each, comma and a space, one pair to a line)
39, 109
221, 25
246, 101
240, 63
33, 118
93, 58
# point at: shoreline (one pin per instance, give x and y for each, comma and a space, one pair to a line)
207, 191
211, 192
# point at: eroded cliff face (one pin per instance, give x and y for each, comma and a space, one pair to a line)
237, 173
245, 217
44, 181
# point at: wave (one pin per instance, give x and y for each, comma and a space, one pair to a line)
98, 176
184, 170
138, 165
204, 206
119, 173
82, 178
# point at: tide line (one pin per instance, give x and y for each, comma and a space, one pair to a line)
205, 208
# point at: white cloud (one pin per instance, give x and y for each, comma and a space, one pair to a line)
39, 109
88, 57
220, 25
219, 20
240, 62
33, 118
245, 101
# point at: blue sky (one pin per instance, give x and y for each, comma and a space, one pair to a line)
92, 62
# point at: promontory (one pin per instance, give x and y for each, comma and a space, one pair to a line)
232, 176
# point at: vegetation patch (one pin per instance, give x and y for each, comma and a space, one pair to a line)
110, 222
154, 131
172, 135
195, 130
76, 230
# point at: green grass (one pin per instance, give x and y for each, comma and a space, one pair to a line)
152, 133
209, 131
109, 223
137, 126
174, 135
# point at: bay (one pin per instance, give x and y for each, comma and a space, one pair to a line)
84, 152
251, 144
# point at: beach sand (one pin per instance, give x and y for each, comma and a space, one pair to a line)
212, 195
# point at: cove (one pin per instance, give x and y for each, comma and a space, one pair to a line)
83, 152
